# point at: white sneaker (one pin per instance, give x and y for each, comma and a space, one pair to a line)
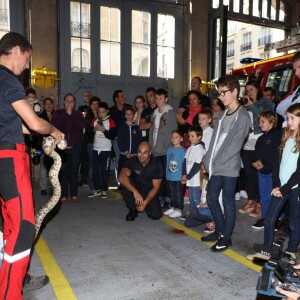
237, 196
169, 211
94, 194
176, 214
243, 194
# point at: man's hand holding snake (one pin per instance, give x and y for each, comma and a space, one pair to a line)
57, 134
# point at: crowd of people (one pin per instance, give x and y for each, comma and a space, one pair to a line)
212, 152
209, 151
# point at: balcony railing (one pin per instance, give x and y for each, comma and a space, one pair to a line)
246, 46
264, 40
230, 53
81, 29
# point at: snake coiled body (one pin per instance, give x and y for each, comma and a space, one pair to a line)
49, 145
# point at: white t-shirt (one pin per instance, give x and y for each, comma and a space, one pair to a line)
156, 126
194, 154
207, 134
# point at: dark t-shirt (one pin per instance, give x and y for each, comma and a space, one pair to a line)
142, 176
146, 114
118, 115
11, 90
205, 102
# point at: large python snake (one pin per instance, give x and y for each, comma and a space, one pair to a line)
49, 145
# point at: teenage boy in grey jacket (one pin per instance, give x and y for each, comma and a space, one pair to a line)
223, 161
163, 123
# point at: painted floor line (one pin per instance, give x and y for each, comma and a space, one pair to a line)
230, 253
117, 195
60, 284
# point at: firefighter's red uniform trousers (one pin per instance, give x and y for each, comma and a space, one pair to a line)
18, 215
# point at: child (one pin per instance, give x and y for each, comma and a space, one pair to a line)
129, 137
286, 174
265, 148
205, 119
139, 105
191, 165
163, 121
223, 161
201, 214
175, 158
105, 131
32, 100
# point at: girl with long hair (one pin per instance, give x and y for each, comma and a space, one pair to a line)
286, 174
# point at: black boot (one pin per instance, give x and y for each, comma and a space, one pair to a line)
132, 214
83, 181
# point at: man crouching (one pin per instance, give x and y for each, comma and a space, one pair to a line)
140, 178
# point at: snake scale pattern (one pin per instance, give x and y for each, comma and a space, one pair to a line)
49, 145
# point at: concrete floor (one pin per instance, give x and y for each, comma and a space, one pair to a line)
103, 257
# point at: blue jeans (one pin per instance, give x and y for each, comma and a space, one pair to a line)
265, 188
176, 193
274, 210
195, 196
224, 222
199, 216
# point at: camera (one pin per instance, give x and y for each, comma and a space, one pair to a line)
243, 101
278, 272
100, 122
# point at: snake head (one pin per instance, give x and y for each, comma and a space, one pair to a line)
62, 145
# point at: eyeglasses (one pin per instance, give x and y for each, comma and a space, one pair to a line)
222, 93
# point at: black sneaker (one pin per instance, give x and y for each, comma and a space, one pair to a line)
262, 249
211, 237
132, 214
165, 205
259, 224
221, 245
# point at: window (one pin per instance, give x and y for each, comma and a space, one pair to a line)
110, 41
255, 8
246, 42
265, 36
230, 49
264, 55
229, 67
236, 6
140, 47
165, 46
4, 17
282, 14
80, 37
246, 7
265, 9
215, 3
280, 79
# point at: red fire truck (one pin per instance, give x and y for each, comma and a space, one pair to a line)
274, 72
